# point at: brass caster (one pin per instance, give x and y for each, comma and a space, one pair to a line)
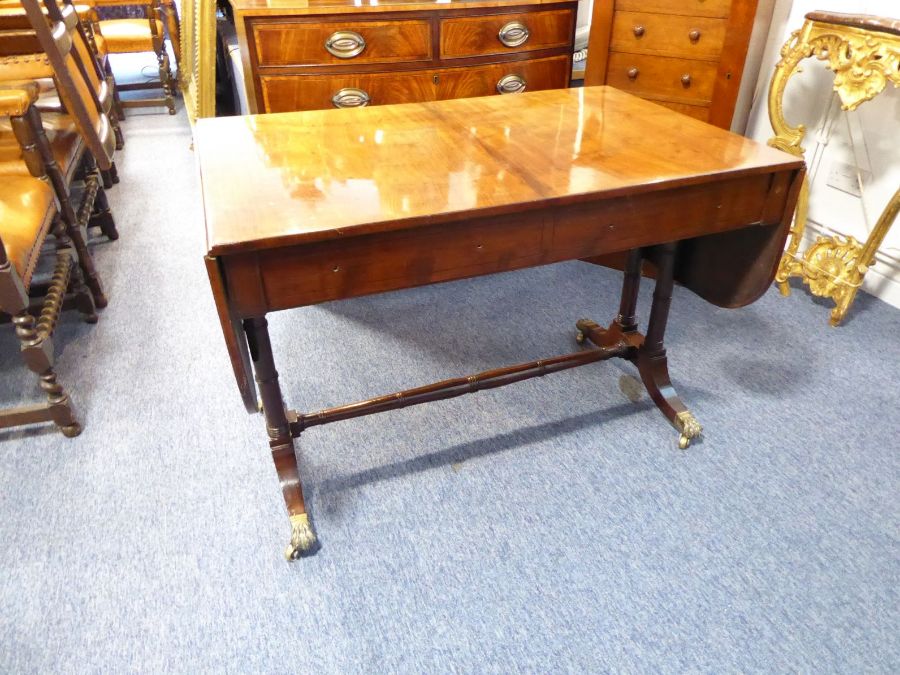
579, 337
71, 430
689, 427
303, 538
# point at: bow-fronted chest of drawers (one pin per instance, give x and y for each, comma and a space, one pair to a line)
316, 54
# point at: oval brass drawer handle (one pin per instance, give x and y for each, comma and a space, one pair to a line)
511, 84
514, 34
345, 44
350, 98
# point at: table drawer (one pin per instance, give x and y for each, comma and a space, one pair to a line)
719, 8
506, 78
285, 93
684, 80
341, 42
667, 35
505, 33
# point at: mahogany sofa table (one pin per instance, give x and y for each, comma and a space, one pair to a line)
303, 208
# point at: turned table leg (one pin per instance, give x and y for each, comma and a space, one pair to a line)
303, 537
651, 359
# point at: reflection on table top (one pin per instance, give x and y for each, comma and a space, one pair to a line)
274, 180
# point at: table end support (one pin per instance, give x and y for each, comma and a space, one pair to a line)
649, 353
303, 537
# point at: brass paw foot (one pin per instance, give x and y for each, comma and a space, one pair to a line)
582, 328
71, 430
689, 427
303, 538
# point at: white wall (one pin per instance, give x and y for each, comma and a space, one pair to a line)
874, 128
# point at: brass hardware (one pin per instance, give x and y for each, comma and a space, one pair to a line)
633, 73
511, 84
513, 34
436, 79
694, 35
689, 427
639, 31
349, 97
863, 62
303, 538
686, 80
345, 44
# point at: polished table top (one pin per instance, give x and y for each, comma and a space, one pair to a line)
291, 178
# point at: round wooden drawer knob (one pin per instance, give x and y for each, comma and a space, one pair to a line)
639, 31
633, 73
694, 35
686, 80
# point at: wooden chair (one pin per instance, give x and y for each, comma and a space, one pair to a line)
78, 140
132, 36
29, 212
22, 58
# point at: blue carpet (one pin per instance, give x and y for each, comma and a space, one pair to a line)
550, 526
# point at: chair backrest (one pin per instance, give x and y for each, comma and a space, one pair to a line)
79, 85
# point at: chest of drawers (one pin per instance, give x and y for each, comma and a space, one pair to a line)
685, 54
317, 54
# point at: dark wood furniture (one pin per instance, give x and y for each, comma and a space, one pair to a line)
36, 172
687, 55
318, 54
377, 199
138, 35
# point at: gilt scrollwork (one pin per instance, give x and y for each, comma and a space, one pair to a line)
864, 61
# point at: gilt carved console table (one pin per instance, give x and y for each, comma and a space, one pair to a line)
308, 207
864, 53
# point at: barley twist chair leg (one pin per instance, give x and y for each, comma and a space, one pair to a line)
165, 77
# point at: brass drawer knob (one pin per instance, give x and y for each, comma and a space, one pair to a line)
638, 31
633, 73
345, 44
510, 84
350, 98
513, 34
694, 35
686, 80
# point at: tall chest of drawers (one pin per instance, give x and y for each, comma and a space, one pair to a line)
685, 54
316, 54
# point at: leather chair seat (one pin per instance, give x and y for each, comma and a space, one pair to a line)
26, 212
65, 141
25, 67
127, 36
